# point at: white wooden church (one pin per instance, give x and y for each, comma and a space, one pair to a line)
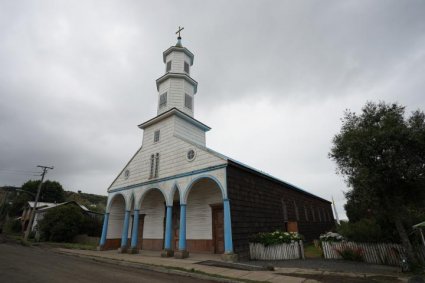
177, 196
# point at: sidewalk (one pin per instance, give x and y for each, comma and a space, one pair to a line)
192, 267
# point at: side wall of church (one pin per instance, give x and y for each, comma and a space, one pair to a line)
257, 205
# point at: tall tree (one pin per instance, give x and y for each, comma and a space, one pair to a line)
51, 191
382, 157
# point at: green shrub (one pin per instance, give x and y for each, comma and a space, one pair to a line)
354, 254
13, 226
61, 224
275, 238
92, 226
365, 230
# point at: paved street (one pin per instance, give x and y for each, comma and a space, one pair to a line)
33, 264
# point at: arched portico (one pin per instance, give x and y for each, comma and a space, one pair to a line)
205, 217
151, 207
113, 222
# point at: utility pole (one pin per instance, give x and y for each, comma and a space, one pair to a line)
27, 232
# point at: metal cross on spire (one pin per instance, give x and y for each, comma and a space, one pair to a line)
178, 32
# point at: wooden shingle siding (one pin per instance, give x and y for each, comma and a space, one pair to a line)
176, 89
256, 206
189, 131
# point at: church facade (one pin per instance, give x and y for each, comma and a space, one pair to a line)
177, 196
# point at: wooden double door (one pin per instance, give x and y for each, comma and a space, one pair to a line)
217, 243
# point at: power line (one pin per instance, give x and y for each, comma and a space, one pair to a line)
18, 171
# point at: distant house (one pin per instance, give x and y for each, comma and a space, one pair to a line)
43, 207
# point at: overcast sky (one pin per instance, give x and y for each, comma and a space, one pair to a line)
77, 77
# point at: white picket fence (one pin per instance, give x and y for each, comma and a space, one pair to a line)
293, 250
388, 254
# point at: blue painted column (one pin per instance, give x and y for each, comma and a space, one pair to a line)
228, 242
124, 237
182, 228
134, 235
168, 230
104, 229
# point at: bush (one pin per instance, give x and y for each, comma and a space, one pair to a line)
365, 230
348, 253
92, 226
275, 238
13, 226
61, 224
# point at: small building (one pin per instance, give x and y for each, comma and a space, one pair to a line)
44, 207
178, 196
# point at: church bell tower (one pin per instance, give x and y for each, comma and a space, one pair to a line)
176, 88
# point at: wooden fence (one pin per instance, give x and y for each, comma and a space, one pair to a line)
293, 250
388, 254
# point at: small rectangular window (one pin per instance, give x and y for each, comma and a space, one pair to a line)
312, 214
297, 213
306, 213
163, 100
168, 66
188, 101
284, 211
186, 67
319, 214
156, 165
152, 166
156, 136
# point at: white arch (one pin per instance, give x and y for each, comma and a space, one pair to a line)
142, 196
111, 198
194, 181
175, 187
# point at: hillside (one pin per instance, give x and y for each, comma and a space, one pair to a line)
93, 202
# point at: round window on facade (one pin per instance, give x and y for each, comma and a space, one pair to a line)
127, 173
191, 155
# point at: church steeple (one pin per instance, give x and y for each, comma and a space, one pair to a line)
176, 89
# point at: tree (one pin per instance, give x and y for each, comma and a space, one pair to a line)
51, 191
382, 157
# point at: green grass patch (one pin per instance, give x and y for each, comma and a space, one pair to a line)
311, 251
72, 246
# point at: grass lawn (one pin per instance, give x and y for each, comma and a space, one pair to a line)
311, 251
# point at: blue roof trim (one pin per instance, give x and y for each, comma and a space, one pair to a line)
212, 168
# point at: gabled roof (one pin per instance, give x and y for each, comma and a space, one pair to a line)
177, 112
43, 206
252, 170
